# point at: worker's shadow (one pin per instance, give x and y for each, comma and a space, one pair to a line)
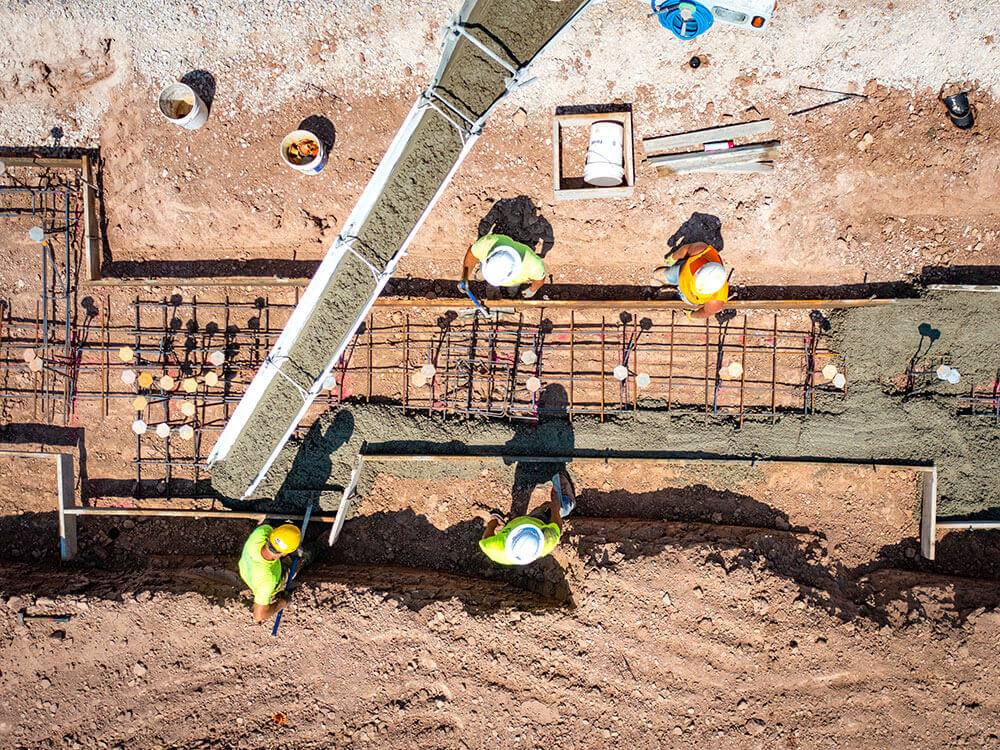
518, 218
698, 228
552, 435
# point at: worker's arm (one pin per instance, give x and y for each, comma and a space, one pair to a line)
262, 612
706, 311
469, 263
491, 527
535, 286
686, 251
555, 511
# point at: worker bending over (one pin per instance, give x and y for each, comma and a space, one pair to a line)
701, 280
261, 569
506, 263
527, 538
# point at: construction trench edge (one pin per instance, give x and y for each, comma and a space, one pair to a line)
872, 423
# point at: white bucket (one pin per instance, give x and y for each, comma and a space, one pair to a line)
605, 155
308, 166
180, 104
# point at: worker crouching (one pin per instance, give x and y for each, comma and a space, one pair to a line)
506, 263
700, 277
261, 569
527, 538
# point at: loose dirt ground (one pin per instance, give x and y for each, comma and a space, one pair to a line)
772, 609
763, 609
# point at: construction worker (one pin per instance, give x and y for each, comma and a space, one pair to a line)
261, 570
506, 263
701, 280
527, 538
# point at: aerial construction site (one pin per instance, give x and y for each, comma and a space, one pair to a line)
507, 373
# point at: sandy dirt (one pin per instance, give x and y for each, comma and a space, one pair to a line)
741, 607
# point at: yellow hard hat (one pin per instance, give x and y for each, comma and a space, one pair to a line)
285, 538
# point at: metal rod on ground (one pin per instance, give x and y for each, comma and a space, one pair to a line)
291, 570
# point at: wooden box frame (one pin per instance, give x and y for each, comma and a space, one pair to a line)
560, 121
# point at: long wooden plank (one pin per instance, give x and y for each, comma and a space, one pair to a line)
707, 135
41, 161
928, 514
758, 151
91, 231
748, 167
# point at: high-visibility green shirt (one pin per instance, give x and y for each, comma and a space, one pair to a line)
262, 576
494, 546
532, 268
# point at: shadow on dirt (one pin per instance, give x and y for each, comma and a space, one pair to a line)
518, 218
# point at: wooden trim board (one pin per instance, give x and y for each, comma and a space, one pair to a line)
707, 135
586, 120
66, 489
928, 513
91, 230
41, 161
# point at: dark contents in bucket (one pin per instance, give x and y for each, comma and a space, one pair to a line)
302, 151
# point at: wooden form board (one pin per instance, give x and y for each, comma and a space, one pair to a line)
91, 230
586, 120
671, 164
707, 135
928, 513
65, 486
41, 161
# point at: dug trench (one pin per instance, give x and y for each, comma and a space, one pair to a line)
874, 422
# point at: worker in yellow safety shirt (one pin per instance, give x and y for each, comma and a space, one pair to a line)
701, 280
527, 538
505, 263
261, 569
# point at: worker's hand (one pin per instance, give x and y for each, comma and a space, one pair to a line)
463, 286
528, 293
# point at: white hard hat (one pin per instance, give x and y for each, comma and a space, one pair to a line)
501, 265
709, 278
524, 544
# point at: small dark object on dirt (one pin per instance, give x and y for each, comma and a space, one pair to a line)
960, 112
59, 635
695, 62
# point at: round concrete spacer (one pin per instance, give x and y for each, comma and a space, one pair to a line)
620, 372
428, 371
190, 385
128, 376
533, 384
145, 380
162, 430
187, 408
28, 354
167, 383
643, 380
139, 427
36, 234
954, 376
36, 365
735, 369
829, 372
126, 354
211, 379
329, 382
186, 432
529, 357
217, 358
139, 403
839, 381
943, 371
417, 379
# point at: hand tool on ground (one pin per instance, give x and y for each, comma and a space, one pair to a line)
480, 307
291, 570
22, 618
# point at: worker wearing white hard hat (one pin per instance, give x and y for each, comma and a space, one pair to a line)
525, 539
700, 277
505, 263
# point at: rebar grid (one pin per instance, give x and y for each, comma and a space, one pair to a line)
982, 401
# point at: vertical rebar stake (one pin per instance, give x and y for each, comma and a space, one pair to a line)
602, 367
708, 342
743, 367
670, 363
774, 370
572, 368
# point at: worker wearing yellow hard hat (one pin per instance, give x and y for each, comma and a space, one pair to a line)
700, 277
260, 566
